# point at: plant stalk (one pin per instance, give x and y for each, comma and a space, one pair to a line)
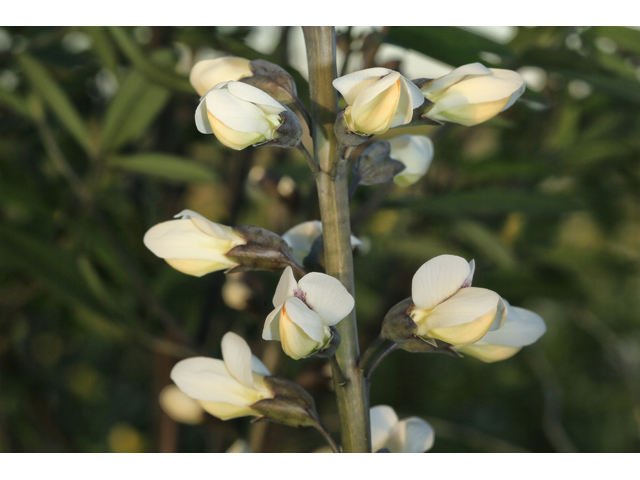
353, 404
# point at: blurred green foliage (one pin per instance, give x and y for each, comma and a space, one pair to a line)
98, 143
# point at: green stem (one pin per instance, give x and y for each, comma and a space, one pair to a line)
353, 404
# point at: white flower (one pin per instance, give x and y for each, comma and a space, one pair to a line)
522, 327
179, 406
410, 435
225, 388
301, 237
192, 244
416, 152
206, 74
378, 99
448, 308
304, 311
239, 115
472, 94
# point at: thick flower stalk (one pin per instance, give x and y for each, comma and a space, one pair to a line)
448, 308
240, 115
192, 244
471, 94
522, 327
305, 311
377, 99
409, 435
225, 388
416, 153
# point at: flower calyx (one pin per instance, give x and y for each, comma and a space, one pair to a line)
374, 165
272, 79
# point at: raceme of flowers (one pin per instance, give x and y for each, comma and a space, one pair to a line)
192, 244
225, 388
304, 311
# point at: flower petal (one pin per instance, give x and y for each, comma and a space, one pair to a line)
488, 353
236, 114
286, 287
237, 358
202, 118
208, 379
456, 76
327, 297
271, 330
226, 411
249, 93
522, 327
438, 279
383, 420
411, 435
352, 84
305, 318
258, 367
206, 74
179, 406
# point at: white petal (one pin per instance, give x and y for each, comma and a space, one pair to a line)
438, 279
383, 420
308, 320
456, 76
464, 307
226, 411
208, 379
237, 358
327, 297
352, 84
271, 330
239, 115
522, 327
249, 93
302, 236
415, 151
372, 91
286, 287
411, 435
202, 120
206, 74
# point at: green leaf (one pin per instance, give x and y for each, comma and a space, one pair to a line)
51, 266
142, 62
625, 38
489, 202
14, 102
451, 45
486, 242
134, 107
103, 46
169, 167
57, 100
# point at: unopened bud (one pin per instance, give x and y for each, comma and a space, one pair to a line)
374, 165
272, 79
291, 404
264, 250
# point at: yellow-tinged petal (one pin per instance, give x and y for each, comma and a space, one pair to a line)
489, 353
296, 343
179, 406
375, 116
233, 138
226, 411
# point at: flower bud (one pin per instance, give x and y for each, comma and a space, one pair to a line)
374, 165
225, 388
241, 115
415, 152
206, 74
522, 327
388, 433
377, 99
192, 244
448, 308
305, 311
472, 94
179, 406
197, 246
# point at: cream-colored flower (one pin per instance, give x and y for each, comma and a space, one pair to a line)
304, 311
522, 327
192, 244
410, 435
224, 388
448, 308
301, 237
416, 152
179, 406
378, 99
239, 115
206, 74
472, 94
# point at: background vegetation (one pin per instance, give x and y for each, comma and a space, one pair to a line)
98, 143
